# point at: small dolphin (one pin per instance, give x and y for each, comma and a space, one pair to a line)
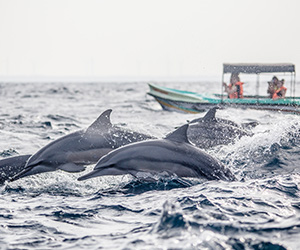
72, 152
173, 155
210, 131
11, 166
211, 115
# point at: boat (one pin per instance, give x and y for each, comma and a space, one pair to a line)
190, 102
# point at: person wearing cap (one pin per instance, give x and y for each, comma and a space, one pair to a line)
273, 86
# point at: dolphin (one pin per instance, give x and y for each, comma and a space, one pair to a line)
172, 155
210, 131
11, 166
211, 115
72, 152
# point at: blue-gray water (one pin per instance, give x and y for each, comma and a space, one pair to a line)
261, 210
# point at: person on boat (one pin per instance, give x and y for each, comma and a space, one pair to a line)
281, 90
273, 86
235, 87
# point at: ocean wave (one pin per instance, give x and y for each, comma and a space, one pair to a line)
53, 210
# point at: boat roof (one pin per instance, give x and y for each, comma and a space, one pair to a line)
257, 68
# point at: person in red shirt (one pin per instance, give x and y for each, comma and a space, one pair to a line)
281, 90
235, 87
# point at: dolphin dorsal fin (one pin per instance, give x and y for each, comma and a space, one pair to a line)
102, 122
179, 135
210, 115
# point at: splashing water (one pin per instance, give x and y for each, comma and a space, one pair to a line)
261, 210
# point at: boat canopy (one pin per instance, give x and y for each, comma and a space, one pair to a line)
257, 68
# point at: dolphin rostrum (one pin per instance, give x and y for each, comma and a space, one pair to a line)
172, 155
72, 152
210, 131
11, 166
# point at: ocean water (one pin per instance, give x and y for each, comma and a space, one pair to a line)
261, 210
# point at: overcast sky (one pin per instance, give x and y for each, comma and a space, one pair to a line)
144, 38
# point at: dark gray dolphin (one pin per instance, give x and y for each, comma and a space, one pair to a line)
209, 131
11, 166
211, 115
72, 152
173, 155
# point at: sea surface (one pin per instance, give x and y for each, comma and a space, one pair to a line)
261, 210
